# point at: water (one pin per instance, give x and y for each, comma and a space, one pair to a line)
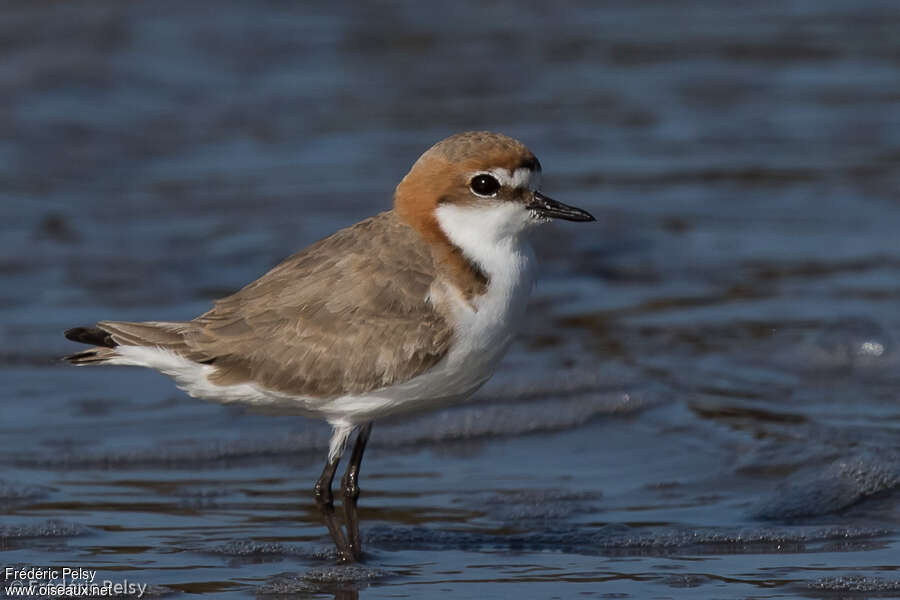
704, 402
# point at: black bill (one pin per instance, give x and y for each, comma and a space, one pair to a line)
551, 209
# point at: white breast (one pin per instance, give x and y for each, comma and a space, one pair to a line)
492, 237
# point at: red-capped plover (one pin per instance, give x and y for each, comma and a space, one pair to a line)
408, 310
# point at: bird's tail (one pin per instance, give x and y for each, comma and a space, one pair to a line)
107, 335
101, 339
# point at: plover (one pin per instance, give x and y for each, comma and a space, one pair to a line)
408, 310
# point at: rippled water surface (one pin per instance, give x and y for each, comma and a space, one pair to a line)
705, 402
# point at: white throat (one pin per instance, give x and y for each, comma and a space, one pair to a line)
491, 235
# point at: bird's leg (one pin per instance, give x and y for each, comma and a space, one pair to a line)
322, 490
325, 502
323, 496
350, 490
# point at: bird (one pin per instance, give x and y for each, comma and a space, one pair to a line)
406, 311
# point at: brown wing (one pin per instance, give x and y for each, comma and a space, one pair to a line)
346, 315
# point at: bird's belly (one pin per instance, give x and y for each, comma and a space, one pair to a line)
483, 330
451, 380
482, 335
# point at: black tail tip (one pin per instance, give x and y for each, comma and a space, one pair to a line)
90, 335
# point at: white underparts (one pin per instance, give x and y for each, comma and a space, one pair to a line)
191, 376
492, 235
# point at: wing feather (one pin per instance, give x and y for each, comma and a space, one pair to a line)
347, 315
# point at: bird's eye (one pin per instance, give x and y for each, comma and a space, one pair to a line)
484, 185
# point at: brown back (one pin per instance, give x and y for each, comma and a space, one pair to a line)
347, 315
